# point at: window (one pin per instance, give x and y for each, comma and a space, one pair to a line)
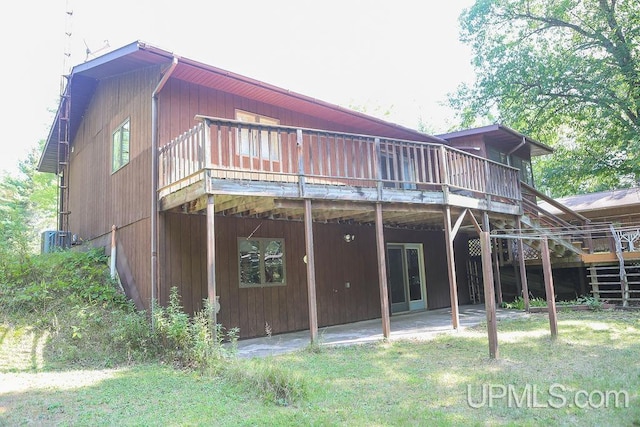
257, 142
261, 262
526, 172
120, 146
397, 177
497, 156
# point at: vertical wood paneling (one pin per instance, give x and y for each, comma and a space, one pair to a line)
284, 307
100, 199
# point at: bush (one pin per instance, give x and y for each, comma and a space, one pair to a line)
191, 342
91, 322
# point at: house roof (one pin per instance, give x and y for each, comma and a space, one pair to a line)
502, 135
83, 80
597, 201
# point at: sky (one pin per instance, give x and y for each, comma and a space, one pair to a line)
400, 57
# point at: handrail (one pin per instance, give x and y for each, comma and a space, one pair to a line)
211, 119
237, 150
555, 204
549, 217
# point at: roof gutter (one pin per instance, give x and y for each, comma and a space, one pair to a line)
154, 181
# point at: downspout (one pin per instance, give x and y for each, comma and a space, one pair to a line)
113, 252
154, 183
513, 150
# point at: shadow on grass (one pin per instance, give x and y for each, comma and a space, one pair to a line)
406, 382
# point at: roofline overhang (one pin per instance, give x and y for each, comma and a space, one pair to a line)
90, 67
497, 127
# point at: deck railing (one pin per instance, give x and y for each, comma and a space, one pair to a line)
248, 151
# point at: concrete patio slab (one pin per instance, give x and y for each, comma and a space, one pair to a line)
416, 325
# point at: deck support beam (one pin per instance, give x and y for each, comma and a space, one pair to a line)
549, 289
211, 262
489, 295
451, 268
523, 268
311, 272
382, 273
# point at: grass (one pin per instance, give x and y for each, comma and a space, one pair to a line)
400, 383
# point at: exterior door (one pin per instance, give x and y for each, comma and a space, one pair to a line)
406, 277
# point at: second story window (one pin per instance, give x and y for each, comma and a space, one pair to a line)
120, 146
260, 143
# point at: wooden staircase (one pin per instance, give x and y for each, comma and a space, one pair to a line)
610, 254
568, 241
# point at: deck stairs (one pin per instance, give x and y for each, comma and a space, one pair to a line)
567, 240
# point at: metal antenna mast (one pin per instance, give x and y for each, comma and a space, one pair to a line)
64, 112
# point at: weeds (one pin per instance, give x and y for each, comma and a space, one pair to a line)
269, 380
191, 341
592, 302
90, 322
518, 303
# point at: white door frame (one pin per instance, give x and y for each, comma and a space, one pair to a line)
420, 304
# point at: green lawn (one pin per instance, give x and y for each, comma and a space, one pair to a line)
445, 381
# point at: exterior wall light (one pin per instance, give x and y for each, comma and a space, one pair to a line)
349, 237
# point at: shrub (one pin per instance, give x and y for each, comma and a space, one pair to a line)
191, 341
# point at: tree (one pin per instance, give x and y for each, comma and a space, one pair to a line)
566, 72
27, 206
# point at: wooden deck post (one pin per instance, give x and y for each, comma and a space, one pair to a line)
548, 286
382, 273
595, 285
523, 267
211, 261
496, 270
311, 272
489, 296
451, 268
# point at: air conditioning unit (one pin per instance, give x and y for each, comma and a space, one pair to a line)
52, 240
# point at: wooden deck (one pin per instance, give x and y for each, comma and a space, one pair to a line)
609, 257
268, 170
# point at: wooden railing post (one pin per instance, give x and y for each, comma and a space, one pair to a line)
378, 165
588, 238
206, 161
444, 174
300, 152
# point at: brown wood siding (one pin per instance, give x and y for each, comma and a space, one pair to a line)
284, 308
180, 102
472, 141
98, 198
